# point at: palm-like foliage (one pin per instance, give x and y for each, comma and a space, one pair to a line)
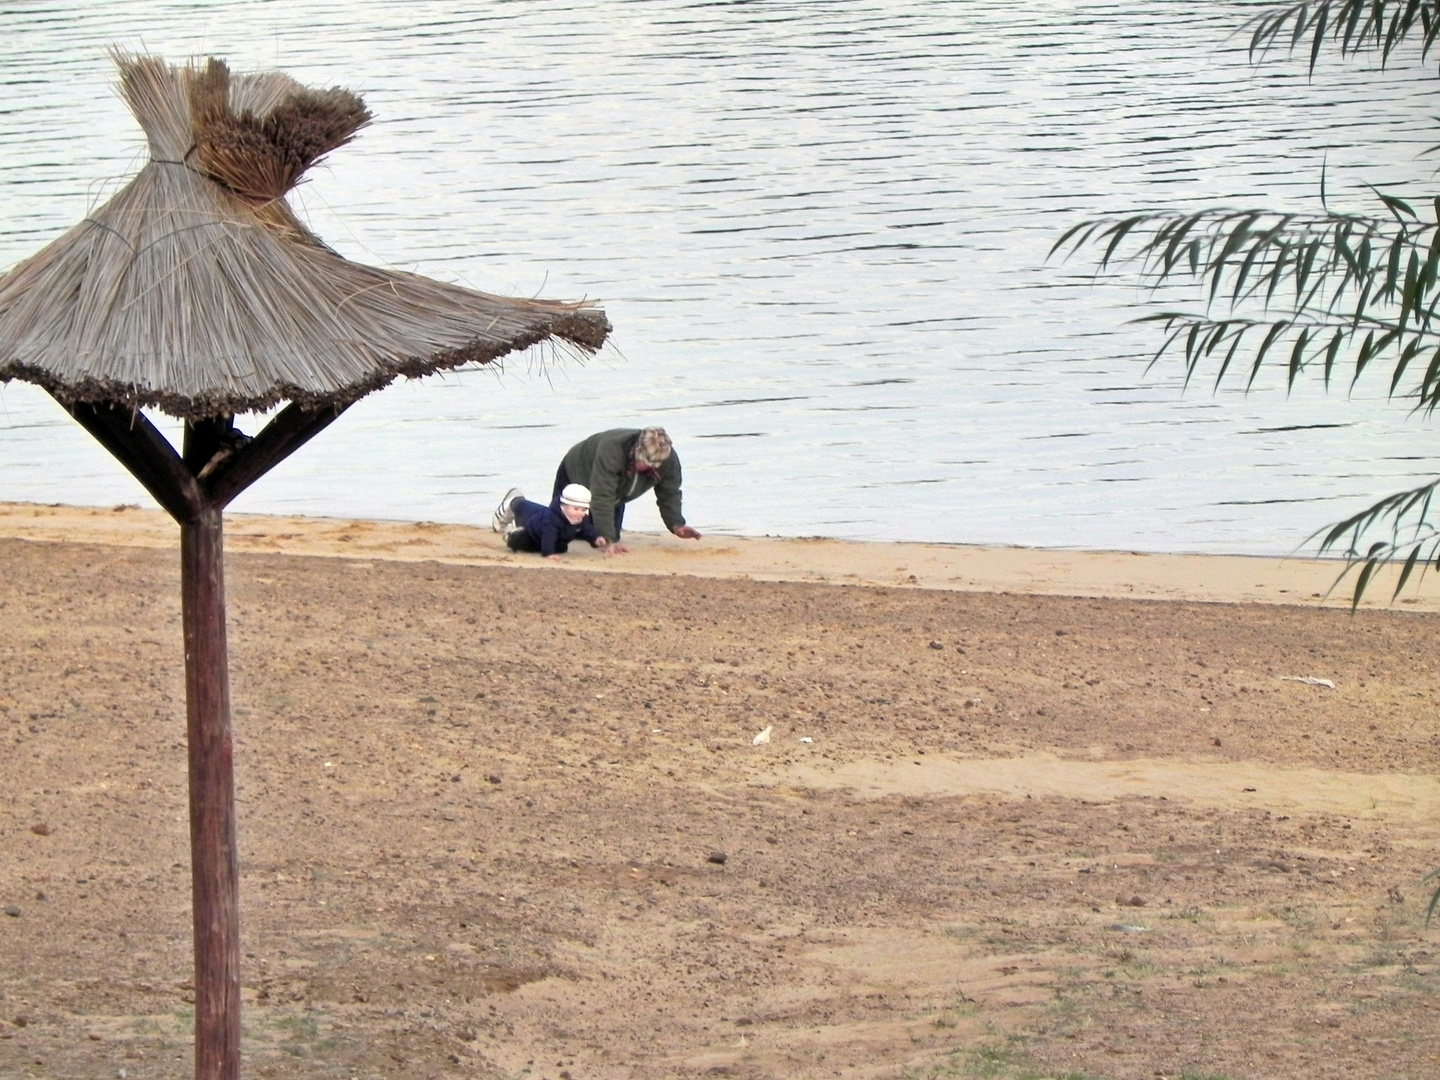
1333, 293
1330, 293
1351, 24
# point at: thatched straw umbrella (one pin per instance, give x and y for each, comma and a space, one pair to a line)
196, 291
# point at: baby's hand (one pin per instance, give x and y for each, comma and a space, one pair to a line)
601, 542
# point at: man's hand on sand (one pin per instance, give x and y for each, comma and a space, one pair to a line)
555, 557
619, 549
685, 532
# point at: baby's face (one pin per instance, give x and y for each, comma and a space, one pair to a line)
573, 514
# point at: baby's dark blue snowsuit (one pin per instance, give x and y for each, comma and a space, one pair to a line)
545, 529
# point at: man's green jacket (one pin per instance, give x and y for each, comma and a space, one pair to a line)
604, 463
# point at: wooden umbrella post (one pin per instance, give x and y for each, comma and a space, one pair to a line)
214, 863
214, 859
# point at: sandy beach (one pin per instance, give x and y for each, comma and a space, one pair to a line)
1016, 813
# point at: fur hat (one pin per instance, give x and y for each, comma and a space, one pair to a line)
652, 447
575, 495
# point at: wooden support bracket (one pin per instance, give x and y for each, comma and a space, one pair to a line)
291, 428
146, 453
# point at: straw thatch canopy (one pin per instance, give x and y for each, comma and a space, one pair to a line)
197, 291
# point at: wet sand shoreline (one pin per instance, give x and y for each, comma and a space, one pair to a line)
966, 568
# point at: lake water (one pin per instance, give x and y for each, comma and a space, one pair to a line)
820, 230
